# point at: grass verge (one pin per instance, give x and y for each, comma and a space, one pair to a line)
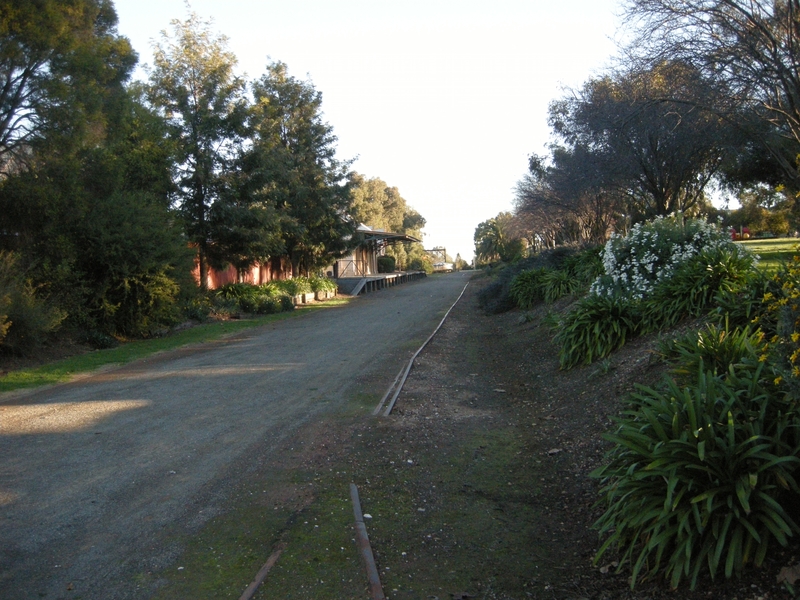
65, 369
772, 252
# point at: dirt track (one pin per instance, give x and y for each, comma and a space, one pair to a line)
93, 472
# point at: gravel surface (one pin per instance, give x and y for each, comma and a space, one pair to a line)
94, 472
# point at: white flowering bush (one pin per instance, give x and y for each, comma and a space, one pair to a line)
634, 264
655, 276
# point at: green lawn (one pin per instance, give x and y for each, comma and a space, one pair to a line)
63, 370
772, 252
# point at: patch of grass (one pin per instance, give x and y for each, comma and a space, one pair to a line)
411, 529
63, 370
477, 497
321, 559
362, 403
224, 558
772, 252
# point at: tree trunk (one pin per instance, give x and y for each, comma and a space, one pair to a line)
203, 264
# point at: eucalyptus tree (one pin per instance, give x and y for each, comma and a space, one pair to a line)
750, 47
194, 86
377, 204
656, 146
566, 198
294, 163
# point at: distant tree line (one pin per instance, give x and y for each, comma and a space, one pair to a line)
707, 94
112, 190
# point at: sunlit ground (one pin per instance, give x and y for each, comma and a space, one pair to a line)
67, 417
194, 372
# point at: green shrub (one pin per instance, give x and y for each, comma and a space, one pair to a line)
779, 319
25, 320
527, 289
237, 290
277, 291
29, 321
197, 308
143, 304
421, 264
287, 303
663, 271
386, 264
249, 303
295, 286
745, 305
5, 301
714, 347
267, 305
99, 340
694, 284
496, 296
594, 328
559, 284
272, 289
323, 284
225, 307
697, 476
585, 265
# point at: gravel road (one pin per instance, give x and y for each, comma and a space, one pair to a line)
93, 474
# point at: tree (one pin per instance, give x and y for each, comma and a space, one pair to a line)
657, 150
85, 185
762, 210
749, 47
193, 85
295, 165
244, 224
567, 200
494, 240
57, 59
380, 206
93, 228
459, 264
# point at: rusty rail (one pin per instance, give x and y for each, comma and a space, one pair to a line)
364, 549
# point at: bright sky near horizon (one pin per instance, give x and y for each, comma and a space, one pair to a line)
443, 99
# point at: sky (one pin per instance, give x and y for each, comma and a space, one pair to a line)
442, 99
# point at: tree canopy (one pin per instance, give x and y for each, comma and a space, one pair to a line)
58, 61
748, 48
653, 146
706, 94
294, 162
381, 206
195, 89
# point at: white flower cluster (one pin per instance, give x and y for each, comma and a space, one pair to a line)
651, 252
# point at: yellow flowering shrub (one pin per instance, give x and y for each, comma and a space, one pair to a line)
780, 319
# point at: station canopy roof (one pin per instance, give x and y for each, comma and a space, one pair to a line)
387, 237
